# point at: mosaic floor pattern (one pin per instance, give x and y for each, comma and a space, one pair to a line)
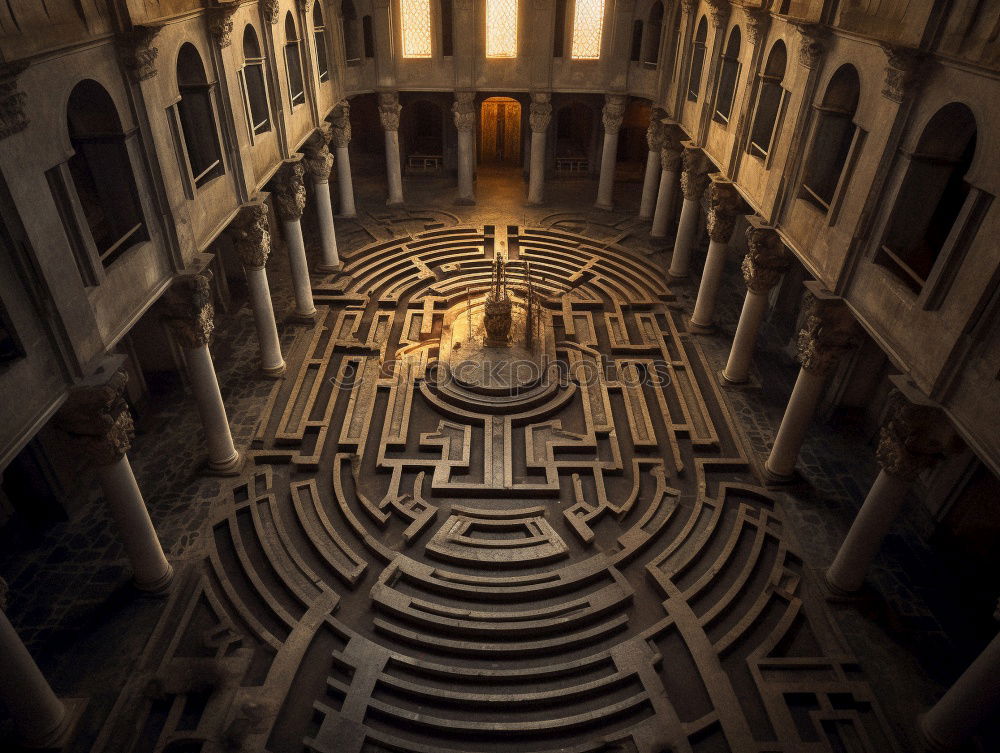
570, 559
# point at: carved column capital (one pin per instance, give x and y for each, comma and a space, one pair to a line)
766, 260
718, 11
340, 119
388, 110
672, 150
289, 193
656, 132
317, 160
613, 112
251, 234
270, 10
540, 111
724, 204
914, 436
220, 22
306, 5
12, 116
694, 175
689, 6
96, 417
758, 21
187, 308
905, 72
137, 51
463, 110
829, 332
812, 46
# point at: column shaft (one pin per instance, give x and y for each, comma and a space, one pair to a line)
327, 231
394, 175
536, 176
711, 277
222, 454
301, 284
466, 167
687, 231
272, 362
737, 369
650, 183
345, 185
794, 424
664, 203
609, 157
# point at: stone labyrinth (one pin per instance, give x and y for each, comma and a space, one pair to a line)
429, 555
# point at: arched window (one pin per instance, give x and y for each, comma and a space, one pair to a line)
729, 74
350, 19
636, 52
654, 29
931, 197
588, 25
416, 21
559, 35
697, 60
447, 29
254, 83
197, 116
102, 172
833, 138
293, 62
319, 29
501, 28
369, 36
770, 102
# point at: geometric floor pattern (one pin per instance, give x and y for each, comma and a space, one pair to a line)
553, 546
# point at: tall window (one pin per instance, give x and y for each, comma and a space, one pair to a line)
654, 31
501, 28
447, 31
559, 37
833, 138
293, 62
636, 52
588, 22
254, 85
770, 102
102, 172
697, 60
729, 73
197, 116
322, 59
416, 16
352, 47
369, 36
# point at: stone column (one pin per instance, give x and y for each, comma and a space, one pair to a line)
252, 240
973, 698
913, 438
464, 111
97, 420
655, 136
539, 117
763, 266
388, 112
318, 163
290, 199
670, 167
612, 115
828, 333
341, 122
694, 180
724, 203
188, 309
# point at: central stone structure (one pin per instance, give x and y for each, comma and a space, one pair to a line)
498, 314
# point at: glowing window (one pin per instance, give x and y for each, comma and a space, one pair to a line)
501, 28
588, 21
416, 28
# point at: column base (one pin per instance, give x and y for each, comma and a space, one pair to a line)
747, 382
394, 204
60, 737
644, 217
700, 329
351, 216
464, 201
534, 204
835, 593
300, 318
158, 586
275, 371
780, 479
673, 277
604, 207
229, 467
927, 740
329, 268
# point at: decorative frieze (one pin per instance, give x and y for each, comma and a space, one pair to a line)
613, 112
828, 332
289, 193
904, 72
96, 418
251, 235
188, 310
911, 439
388, 110
694, 176
766, 260
318, 160
724, 204
464, 110
340, 119
540, 111
12, 116
137, 51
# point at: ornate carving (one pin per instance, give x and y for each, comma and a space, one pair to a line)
758, 21
656, 133
719, 12
289, 191
613, 112
724, 203
827, 334
911, 438
388, 110
540, 112
96, 417
672, 151
220, 23
188, 310
306, 5
137, 51
318, 161
340, 119
688, 6
12, 117
766, 260
904, 73
812, 47
464, 110
251, 235
270, 10
694, 176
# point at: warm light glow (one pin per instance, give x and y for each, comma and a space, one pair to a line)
416, 16
501, 28
588, 21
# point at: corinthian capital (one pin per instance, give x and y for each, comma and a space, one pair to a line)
694, 176
812, 46
613, 112
137, 51
388, 110
719, 12
766, 259
318, 161
540, 111
464, 110
656, 131
904, 72
220, 22
915, 435
724, 204
829, 331
187, 308
12, 117
270, 10
251, 234
96, 416
289, 191
340, 119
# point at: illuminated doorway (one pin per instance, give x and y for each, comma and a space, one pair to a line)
500, 132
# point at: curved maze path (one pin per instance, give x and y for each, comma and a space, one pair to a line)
412, 564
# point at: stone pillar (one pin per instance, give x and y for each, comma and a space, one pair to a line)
252, 241
828, 333
973, 698
612, 116
388, 112
724, 203
694, 180
318, 163
97, 420
290, 199
655, 136
763, 266
670, 167
539, 117
341, 122
913, 438
188, 309
464, 111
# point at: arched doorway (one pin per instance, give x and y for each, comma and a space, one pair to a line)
500, 132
